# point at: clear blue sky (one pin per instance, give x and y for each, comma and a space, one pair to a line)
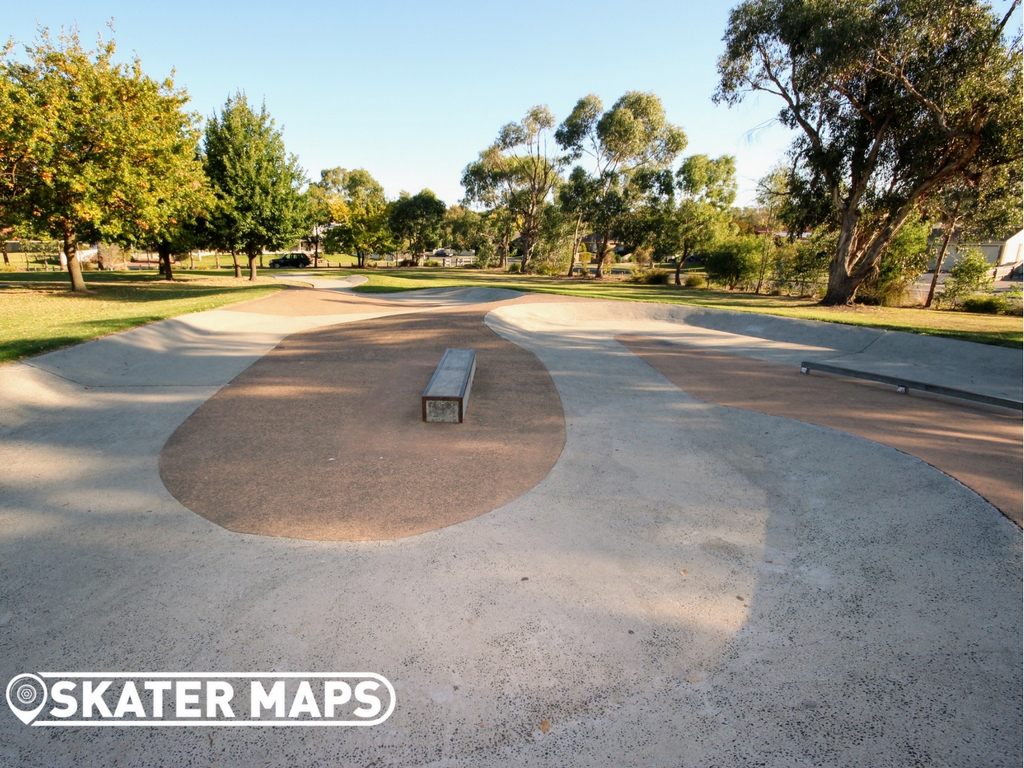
412, 91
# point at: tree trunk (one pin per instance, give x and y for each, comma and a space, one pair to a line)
7, 261
216, 259
575, 244
74, 266
164, 253
252, 266
679, 268
605, 237
238, 267
191, 260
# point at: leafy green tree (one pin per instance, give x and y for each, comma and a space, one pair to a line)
321, 204
894, 102
362, 218
904, 260
418, 220
980, 206
518, 172
734, 260
707, 187
93, 150
256, 183
630, 137
970, 275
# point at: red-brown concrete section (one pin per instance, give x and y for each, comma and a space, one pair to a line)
322, 438
980, 448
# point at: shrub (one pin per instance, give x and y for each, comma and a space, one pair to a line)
694, 280
515, 266
986, 304
905, 259
431, 263
734, 261
649, 276
970, 275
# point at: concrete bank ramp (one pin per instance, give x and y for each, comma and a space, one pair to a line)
323, 283
978, 368
450, 297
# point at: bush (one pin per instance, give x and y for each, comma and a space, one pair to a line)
694, 280
515, 266
649, 276
905, 259
735, 261
985, 304
547, 267
431, 263
970, 275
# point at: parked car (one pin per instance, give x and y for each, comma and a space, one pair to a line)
290, 260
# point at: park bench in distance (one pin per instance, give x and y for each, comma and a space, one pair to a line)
447, 395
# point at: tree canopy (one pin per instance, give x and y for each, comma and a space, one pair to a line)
91, 149
360, 214
418, 220
518, 172
894, 102
628, 145
255, 181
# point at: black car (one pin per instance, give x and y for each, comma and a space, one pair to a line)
290, 260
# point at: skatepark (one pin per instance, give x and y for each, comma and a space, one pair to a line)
654, 541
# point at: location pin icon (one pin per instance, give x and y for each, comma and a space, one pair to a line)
26, 696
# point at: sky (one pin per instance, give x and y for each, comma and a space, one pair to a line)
413, 91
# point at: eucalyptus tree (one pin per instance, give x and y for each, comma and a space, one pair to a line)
418, 220
706, 188
256, 183
518, 172
632, 135
93, 150
361, 216
893, 103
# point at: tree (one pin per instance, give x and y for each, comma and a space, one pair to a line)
734, 260
518, 172
418, 220
94, 150
980, 206
894, 102
324, 206
256, 183
361, 226
633, 135
708, 189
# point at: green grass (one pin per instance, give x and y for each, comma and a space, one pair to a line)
999, 330
39, 314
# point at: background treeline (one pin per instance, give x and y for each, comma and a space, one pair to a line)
905, 123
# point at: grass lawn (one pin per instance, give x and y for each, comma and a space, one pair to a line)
1000, 330
38, 313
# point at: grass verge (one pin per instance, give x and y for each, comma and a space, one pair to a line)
39, 315
998, 330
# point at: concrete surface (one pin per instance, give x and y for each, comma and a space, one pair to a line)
691, 585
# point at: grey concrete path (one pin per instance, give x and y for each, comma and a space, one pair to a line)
691, 585
979, 368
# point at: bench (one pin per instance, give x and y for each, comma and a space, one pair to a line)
447, 395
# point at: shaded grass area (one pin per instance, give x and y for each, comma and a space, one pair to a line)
39, 315
999, 330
